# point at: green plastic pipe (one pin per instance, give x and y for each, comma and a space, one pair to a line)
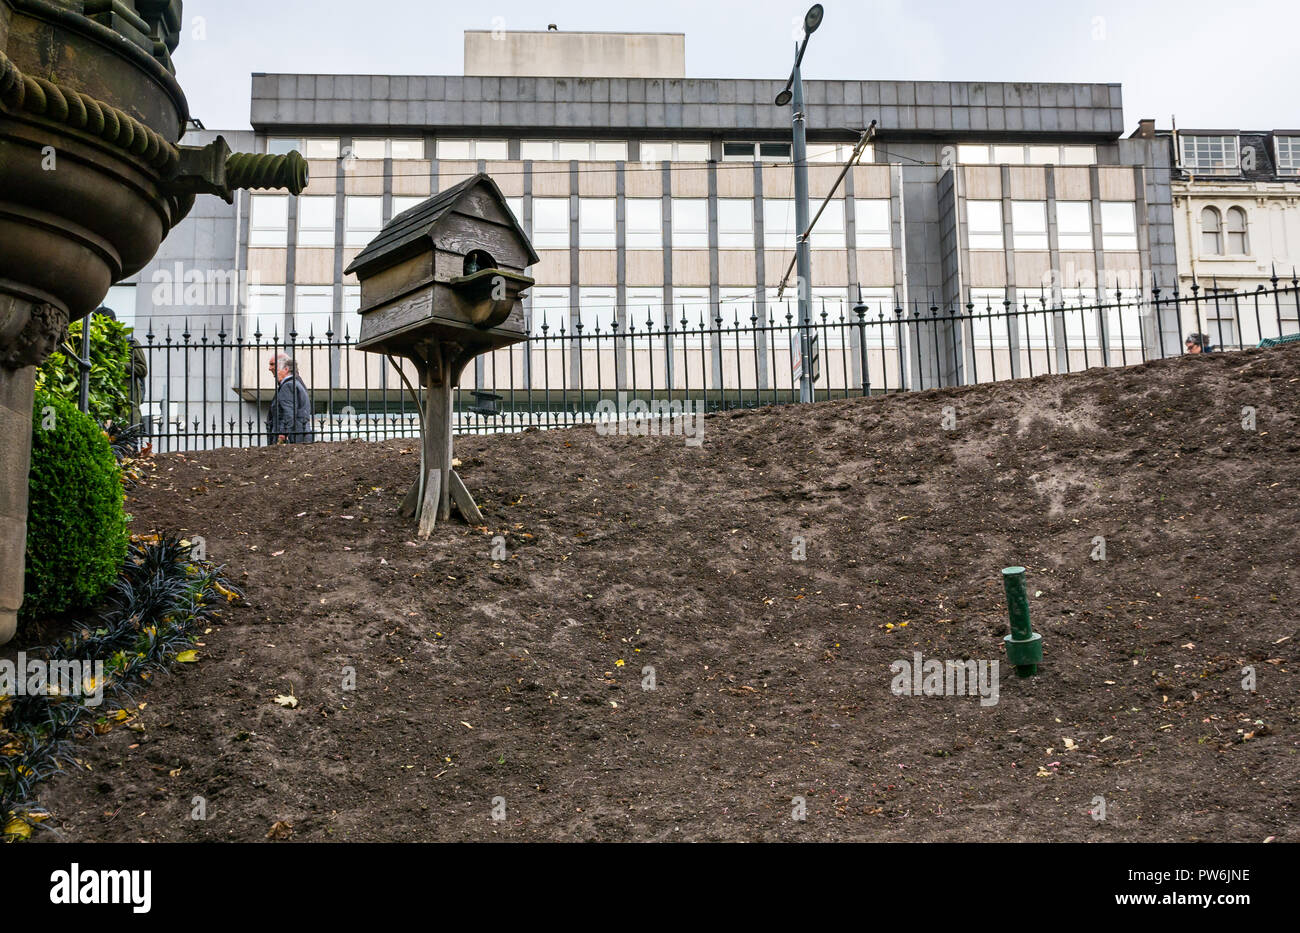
1024, 645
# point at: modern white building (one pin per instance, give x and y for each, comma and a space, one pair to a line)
660, 202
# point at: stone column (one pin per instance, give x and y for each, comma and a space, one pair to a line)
29, 330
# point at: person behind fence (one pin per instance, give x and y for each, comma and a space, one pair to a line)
1197, 343
289, 421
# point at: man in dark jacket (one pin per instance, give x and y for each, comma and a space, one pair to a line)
289, 421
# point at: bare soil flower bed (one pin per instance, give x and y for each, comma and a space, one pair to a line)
523, 679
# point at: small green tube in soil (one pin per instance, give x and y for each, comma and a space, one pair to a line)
1024, 645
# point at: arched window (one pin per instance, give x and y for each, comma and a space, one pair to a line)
1211, 233
1238, 241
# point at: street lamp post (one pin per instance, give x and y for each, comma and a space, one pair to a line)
792, 94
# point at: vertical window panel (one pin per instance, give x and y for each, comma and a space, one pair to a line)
316, 220
644, 224
362, 219
268, 223
690, 223
1074, 225
984, 224
550, 223
872, 223
596, 228
829, 230
1029, 224
1118, 225
735, 223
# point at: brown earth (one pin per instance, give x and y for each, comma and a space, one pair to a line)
522, 679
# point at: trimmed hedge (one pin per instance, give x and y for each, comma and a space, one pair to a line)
76, 520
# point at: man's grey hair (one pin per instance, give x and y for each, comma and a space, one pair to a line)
285, 361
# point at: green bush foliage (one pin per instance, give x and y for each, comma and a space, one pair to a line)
76, 521
110, 370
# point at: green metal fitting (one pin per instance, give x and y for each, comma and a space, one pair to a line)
1024, 645
249, 170
213, 169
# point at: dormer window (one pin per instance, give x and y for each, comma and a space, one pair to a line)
1288, 154
1210, 155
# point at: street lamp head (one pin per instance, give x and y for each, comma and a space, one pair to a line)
812, 19
784, 97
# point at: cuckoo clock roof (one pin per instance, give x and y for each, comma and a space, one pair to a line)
411, 232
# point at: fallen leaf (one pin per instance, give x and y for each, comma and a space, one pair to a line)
188, 657
18, 828
286, 700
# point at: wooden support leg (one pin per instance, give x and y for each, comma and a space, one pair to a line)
411, 504
437, 437
429, 509
442, 486
464, 501
444, 503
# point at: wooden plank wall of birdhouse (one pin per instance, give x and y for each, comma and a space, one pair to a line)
396, 314
478, 222
396, 279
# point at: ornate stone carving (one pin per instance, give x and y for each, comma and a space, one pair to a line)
39, 338
153, 25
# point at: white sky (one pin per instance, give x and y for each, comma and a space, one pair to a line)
1211, 64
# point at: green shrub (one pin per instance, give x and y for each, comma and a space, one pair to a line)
110, 370
76, 522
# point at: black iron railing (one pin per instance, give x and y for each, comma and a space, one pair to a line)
210, 386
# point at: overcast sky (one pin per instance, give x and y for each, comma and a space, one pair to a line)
1209, 63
